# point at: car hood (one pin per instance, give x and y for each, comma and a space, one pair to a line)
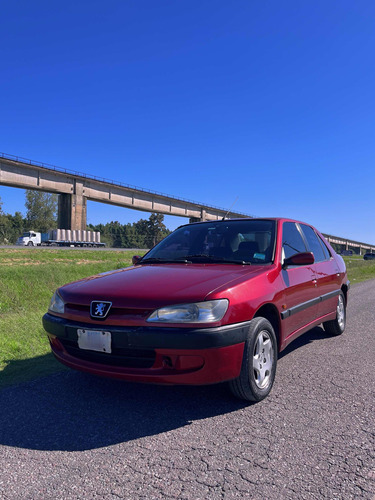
157, 285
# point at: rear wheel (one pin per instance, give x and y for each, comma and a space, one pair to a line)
337, 325
258, 364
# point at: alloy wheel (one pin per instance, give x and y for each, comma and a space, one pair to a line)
341, 312
263, 359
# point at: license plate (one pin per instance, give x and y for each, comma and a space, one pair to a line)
94, 340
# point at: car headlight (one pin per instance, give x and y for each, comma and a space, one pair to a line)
198, 312
57, 304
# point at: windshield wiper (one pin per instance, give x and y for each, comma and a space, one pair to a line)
232, 261
155, 260
189, 259
213, 258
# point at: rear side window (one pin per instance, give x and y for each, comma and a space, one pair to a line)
314, 245
327, 253
292, 240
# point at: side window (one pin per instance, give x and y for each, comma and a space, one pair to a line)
312, 240
292, 240
327, 253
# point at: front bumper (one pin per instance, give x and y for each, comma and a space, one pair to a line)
153, 354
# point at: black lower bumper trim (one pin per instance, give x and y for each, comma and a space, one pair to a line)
152, 337
129, 358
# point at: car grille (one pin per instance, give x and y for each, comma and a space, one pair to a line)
123, 357
115, 313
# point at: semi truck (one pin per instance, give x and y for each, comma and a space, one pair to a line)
61, 238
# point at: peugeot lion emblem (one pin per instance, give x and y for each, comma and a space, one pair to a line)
99, 309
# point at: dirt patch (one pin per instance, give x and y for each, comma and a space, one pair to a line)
85, 261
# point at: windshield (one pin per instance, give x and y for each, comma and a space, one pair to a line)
233, 241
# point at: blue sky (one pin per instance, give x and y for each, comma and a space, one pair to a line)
271, 102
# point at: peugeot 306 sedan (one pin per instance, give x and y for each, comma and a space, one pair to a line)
213, 302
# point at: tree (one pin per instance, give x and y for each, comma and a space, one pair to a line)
142, 234
17, 223
157, 230
153, 229
11, 226
41, 211
4, 225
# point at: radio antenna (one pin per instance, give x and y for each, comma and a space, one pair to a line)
235, 201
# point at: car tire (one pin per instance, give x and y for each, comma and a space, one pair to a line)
30, 244
337, 326
257, 375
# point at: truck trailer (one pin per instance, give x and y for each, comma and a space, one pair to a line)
61, 238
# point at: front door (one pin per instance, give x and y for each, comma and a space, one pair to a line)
300, 294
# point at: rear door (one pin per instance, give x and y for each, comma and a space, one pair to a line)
301, 295
326, 270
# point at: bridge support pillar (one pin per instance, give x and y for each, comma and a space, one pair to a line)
199, 219
72, 209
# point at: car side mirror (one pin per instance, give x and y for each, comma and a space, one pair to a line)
299, 259
136, 259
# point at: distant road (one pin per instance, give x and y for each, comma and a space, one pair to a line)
75, 436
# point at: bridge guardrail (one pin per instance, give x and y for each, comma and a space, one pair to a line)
109, 181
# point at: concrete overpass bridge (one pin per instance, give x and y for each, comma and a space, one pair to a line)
75, 188
343, 244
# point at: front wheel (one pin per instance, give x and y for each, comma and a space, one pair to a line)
30, 244
337, 325
259, 361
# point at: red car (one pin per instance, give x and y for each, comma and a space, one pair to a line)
213, 302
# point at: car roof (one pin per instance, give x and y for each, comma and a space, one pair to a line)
236, 219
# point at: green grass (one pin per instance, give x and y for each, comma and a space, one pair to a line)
28, 278
359, 269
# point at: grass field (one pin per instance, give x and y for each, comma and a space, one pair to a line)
28, 278
359, 269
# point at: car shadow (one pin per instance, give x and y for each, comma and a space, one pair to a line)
317, 333
73, 411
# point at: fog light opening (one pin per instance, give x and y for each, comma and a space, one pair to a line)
54, 341
167, 362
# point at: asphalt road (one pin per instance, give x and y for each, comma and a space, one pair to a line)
72, 436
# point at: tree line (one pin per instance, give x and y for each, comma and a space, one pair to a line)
142, 234
41, 216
